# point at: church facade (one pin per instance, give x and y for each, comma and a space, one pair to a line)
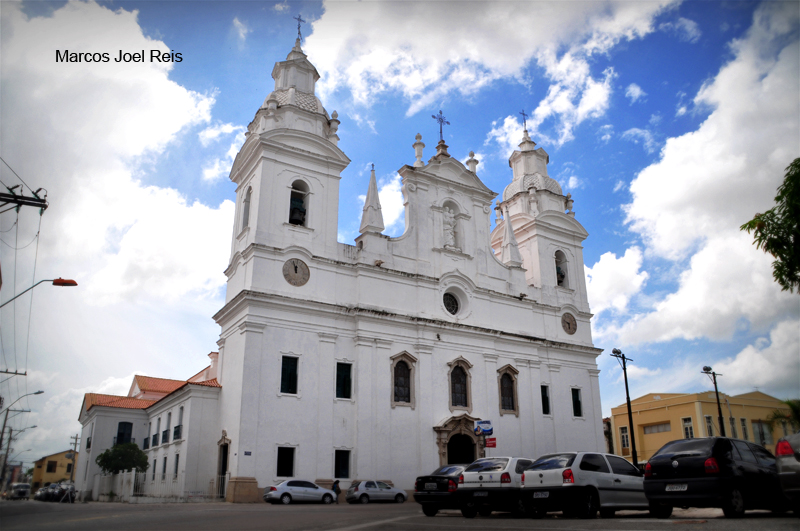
375, 360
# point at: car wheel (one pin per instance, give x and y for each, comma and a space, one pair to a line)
399, 498
286, 499
469, 512
485, 512
733, 507
660, 511
327, 499
364, 498
607, 513
429, 511
587, 507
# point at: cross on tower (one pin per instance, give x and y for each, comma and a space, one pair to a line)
524, 120
440, 118
299, 20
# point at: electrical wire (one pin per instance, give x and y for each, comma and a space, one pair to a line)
30, 307
12, 226
24, 246
15, 173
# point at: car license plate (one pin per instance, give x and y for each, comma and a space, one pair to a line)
430, 486
480, 493
678, 487
544, 494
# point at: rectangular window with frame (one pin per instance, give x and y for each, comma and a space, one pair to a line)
545, 400
342, 464
155, 464
289, 375
177, 460
624, 438
285, 464
761, 432
164, 469
744, 430
577, 406
69, 468
51, 466
688, 429
657, 428
709, 426
733, 428
344, 380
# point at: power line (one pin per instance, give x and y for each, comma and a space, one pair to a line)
15, 173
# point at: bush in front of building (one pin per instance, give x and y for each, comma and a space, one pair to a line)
122, 457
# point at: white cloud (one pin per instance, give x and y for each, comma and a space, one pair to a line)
773, 363
282, 7
373, 48
363, 122
220, 167
687, 30
606, 132
241, 29
214, 132
612, 281
619, 185
644, 136
634, 92
507, 134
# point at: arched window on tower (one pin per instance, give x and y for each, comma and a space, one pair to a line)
402, 382
298, 203
246, 208
562, 278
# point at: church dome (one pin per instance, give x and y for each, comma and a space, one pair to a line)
304, 100
537, 181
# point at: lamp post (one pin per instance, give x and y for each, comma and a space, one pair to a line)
3, 431
711, 374
64, 282
617, 353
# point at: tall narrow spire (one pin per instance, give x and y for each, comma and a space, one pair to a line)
509, 254
372, 218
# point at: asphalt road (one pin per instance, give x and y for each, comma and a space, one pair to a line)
33, 515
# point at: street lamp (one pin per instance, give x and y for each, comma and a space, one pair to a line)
617, 353
56, 282
711, 374
3, 431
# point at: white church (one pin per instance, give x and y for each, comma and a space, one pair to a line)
372, 360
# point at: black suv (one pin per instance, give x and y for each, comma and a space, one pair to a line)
731, 474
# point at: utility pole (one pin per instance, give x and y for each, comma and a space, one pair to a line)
5, 460
74, 450
711, 374
3, 432
617, 353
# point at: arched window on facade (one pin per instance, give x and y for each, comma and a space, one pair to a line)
402, 382
298, 204
507, 381
246, 208
562, 278
458, 387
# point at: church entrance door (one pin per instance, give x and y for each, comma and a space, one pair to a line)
460, 450
223, 470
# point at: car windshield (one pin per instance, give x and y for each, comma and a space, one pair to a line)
448, 470
488, 465
686, 448
550, 462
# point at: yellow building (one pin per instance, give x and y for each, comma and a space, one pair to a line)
662, 417
53, 468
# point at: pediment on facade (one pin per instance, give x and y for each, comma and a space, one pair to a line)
451, 170
457, 277
457, 423
303, 143
562, 221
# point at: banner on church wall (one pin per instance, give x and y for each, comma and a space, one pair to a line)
483, 427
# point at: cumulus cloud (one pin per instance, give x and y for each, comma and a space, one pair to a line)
612, 281
606, 132
241, 29
644, 136
687, 30
634, 92
214, 132
220, 167
283, 7
403, 48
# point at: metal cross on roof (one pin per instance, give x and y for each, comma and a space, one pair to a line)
524, 120
299, 20
442, 121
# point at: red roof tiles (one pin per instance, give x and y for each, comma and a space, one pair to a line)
125, 402
158, 385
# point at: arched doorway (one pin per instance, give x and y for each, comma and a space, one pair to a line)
460, 449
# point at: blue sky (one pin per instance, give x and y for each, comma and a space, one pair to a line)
669, 123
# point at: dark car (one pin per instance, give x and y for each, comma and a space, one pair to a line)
730, 474
437, 490
787, 452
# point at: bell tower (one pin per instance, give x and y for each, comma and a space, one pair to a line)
543, 223
287, 174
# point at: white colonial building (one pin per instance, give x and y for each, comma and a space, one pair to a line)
375, 359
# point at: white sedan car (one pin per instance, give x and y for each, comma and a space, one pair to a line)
298, 491
373, 490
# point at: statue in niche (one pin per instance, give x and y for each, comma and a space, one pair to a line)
449, 224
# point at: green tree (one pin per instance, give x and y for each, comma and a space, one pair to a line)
777, 231
122, 457
792, 416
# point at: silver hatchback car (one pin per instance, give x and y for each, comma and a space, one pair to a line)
365, 491
298, 491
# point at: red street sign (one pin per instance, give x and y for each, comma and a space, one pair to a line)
491, 442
